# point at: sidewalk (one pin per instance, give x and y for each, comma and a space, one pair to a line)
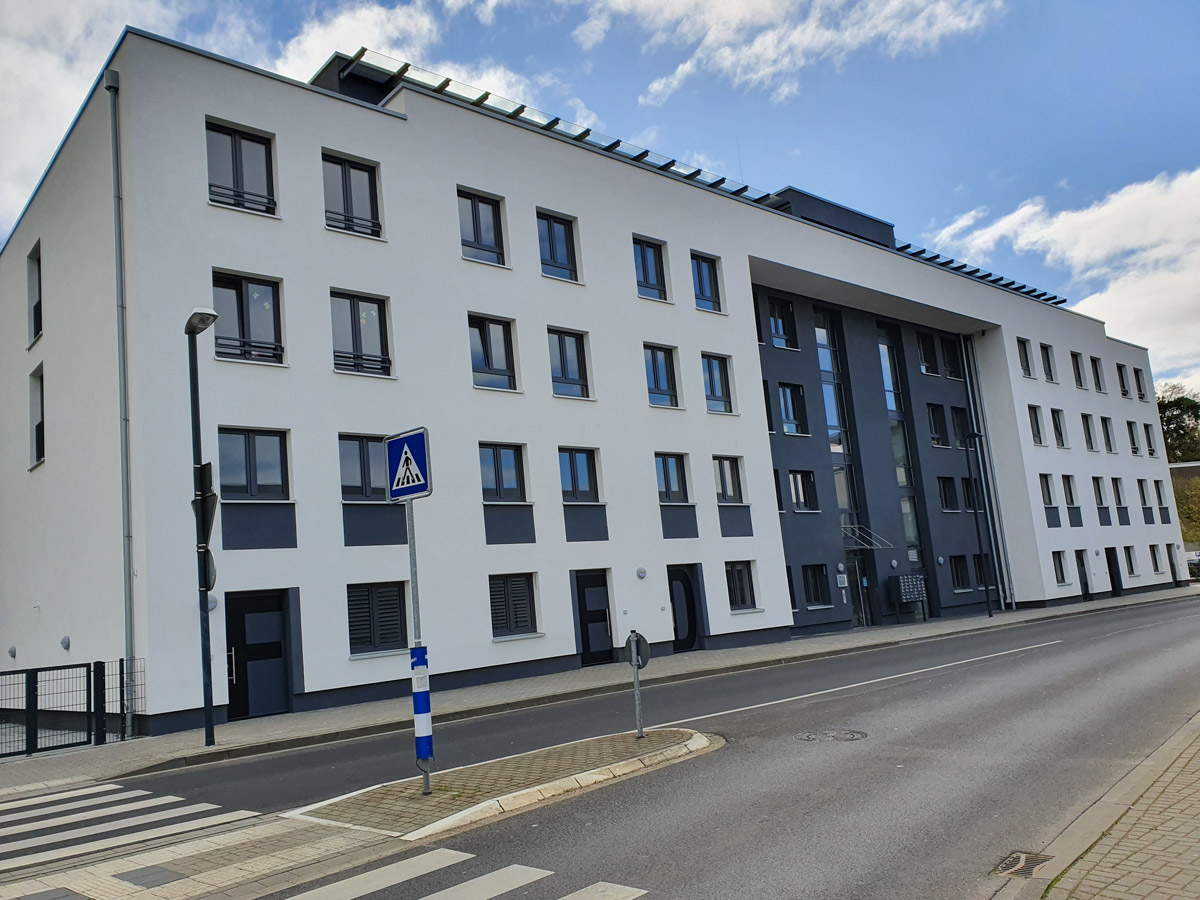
265, 735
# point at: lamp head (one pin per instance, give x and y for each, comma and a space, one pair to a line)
199, 320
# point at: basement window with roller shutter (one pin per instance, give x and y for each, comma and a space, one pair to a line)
512, 605
376, 617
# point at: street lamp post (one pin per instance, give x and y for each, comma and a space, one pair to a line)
198, 321
973, 440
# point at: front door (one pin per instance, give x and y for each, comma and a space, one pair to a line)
1081, 564
1174, 565
595, 630
858, 592
256, 647
1114, 570
683, 608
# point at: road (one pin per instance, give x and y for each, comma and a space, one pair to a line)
975, 746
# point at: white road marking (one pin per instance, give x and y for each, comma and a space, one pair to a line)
849, 687
119, 809
493, 884
122, 840
63, 795
107, 826
74, 804
378, 879
602, 890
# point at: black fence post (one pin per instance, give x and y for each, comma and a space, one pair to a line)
100, 701
31, 712
121, 694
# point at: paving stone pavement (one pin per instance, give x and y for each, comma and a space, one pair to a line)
1153, 850
21, 775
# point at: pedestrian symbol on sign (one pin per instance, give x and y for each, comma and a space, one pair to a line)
407, 473
408, 465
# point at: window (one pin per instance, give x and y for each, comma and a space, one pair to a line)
512, 604
376, 617
239, 169
904, 476
1060, 427
1089, 437
479, 228
767, 404
1077, 369
351, 203
816, 586
1143, 491
1155, 560
502, 473
359, 334
927, 353
1151, 450
672, 482
248, 325
253, 464
1118, 492
892, 395
804, 491
783, 323
729, 481
1158, 492
948, 495
704, 279
961, 424
660, 376
778, 492
741, 585
364, 467
1131, 560
983, 569
1023, 354
960, 577
792, 412
1106, 428
37, 418
835, 417
1069, 498
1122, 380
971, 494
952, 357
33, 270
577, 471
1132, 428
1098, 490
1098, 374
1139, 381
846, 493
556, 238
937, 425
1048, 363
648, 266
491, 353
1035, 424
828, 358
568, 367
716, 383
1060, 567
1047, 485
912, 534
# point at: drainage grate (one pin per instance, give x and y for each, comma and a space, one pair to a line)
830, 735
1020, 864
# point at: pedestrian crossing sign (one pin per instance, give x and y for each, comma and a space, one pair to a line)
408, 465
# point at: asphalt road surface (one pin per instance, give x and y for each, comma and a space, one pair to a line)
974, 746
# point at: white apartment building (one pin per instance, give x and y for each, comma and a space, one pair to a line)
602, 454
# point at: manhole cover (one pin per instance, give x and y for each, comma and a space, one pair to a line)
831, 735
1020, 864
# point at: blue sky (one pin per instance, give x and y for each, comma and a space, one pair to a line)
1055, 142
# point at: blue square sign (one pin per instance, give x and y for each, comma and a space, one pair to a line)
408, 465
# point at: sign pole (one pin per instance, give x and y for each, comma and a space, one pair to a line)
419, 658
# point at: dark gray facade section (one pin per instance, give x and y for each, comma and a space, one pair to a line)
735, 520
1075, 516
373, 524
258, 526
811, 208
678, 520
295, 641
1164, 514
585, 522
1123, 515
1053, 517
508, 523
1104, 515
1148, 515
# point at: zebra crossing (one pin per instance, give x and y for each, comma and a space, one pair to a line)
56, 827
418, 870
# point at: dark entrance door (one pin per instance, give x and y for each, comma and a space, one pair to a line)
1174, 565
858, 590
595, 630
255, 637
1114, 570
683, 607
1081, 565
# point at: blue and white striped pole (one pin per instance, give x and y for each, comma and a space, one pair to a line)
419, 660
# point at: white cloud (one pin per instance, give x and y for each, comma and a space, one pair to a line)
485, 10
703, 160
765, 43
647, 137
1137, 251
581, 115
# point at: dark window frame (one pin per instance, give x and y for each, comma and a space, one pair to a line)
803, 486
243, 347
711, 301
35, 289
727, 470
948, 494
377, 639
504, 592
236, 195
716, 368
354, 359
253, 491
475, 248
781, 312
787, 424
646, 251
663, 463
509, 374
1077, 370
960, 423
573, 493
499, 493
368, 492
39, 424
349, 220
960, 575
739, 581
938, 432
815, 579
927, 354
952, 358
1025, 357
560, 336
561, 264
668, 391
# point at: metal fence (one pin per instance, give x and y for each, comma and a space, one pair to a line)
70, 706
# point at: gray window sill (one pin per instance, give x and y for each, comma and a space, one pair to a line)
37, 337
797, 433
822, 606
243, 500
505, 638
562, 396
252, 362
250, 212
508, 503
37, 465
729, 503
365, 374
584, 503
965, 590
665, 300
1030, 377
721, 412
712, 312
564, 280
484, 262
788, 349
365, 502
376, 654
746, 612
357, 234
656, 406
484, 387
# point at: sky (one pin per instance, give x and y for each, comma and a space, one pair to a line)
1056, 142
